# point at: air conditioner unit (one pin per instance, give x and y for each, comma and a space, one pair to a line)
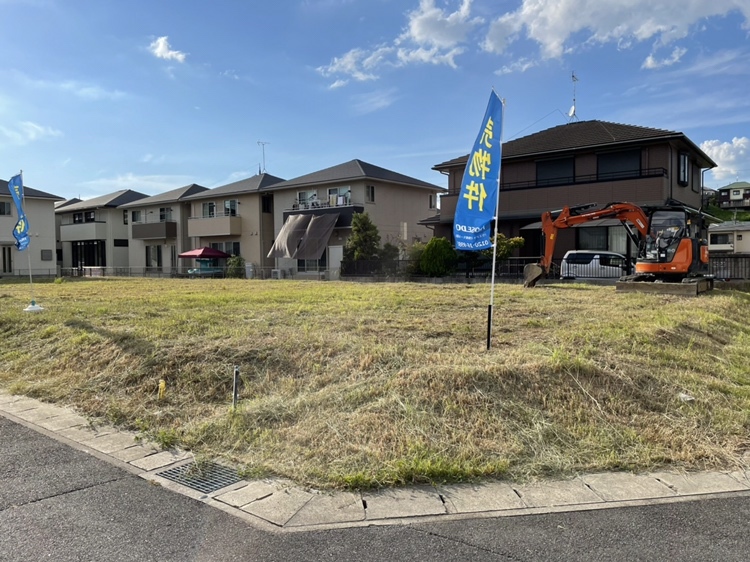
277, 274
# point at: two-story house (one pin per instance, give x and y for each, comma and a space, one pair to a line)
39, 208
94, 233
734, 196
236, 218
313, 213
158, 229
580, 163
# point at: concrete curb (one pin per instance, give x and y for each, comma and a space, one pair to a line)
279, 505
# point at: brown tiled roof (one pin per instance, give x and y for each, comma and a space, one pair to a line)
257, 182
353, 170
168, 196
582, 135
28, 192
110, 200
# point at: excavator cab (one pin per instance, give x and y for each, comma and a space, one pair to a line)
676, 246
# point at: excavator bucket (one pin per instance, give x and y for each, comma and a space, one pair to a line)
532, 272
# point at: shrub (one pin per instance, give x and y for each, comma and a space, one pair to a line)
236, 267
438, 258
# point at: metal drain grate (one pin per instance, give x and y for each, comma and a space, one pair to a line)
205, 477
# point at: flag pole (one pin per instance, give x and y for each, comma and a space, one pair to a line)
494, 238
33, 307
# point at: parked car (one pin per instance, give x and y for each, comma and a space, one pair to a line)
592, 264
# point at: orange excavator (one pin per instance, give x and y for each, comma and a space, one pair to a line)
671, 239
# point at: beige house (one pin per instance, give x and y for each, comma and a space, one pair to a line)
94, 234
236, 218
39, 208
729, 237
158, 230
313, 213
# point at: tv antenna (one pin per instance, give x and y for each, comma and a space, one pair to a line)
572, 111
262, 146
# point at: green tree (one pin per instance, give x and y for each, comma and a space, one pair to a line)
364, 242
438, 258
236, 267
505, 246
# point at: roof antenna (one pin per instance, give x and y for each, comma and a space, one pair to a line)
572, 111
262, 145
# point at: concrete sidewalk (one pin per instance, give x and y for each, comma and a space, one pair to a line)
280, 505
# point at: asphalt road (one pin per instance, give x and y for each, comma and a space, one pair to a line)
58, 503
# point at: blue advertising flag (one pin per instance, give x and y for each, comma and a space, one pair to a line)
15, 185
477, 201
21, 230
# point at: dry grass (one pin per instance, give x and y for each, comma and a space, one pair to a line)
379, 384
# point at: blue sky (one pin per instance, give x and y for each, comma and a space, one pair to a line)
102, 95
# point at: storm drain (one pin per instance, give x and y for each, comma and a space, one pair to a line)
204, 477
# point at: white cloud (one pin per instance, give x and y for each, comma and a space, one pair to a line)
374, 101
153, 184
90, 91
652, 63
161, 49
357, 63
554, 24
521, 65
26, 132
731, 157
432, 36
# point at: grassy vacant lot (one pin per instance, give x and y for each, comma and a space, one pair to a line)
360, 385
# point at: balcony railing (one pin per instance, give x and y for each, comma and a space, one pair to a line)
331, 202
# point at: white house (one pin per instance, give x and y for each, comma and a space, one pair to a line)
40, 255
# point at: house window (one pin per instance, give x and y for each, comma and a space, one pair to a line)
209, 210
313, 265
339, 196
4, 208
555, 172
618, 165
89, 216
135, 216
230, 208
721, 238
153, 256
267, 204
739, 237
165, 214
433, 201
7, 262
47, 255
124, 217
370, 193
231, 248
77, 218
306, 199
120, 242
683, 177
592, 238
735, 193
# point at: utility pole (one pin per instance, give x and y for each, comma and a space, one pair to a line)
262, 146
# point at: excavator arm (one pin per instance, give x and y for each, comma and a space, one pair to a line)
568, 217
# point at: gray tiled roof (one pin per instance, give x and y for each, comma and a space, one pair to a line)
353, 170
168, 196
110, 200
729, 226
29, 192
583, 135
259, 182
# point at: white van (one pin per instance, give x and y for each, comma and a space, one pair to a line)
592, 264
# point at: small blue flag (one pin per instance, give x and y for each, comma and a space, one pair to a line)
477, 201
21, 230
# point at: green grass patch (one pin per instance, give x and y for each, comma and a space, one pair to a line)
367, 385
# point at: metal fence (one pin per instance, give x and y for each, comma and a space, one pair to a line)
724, 267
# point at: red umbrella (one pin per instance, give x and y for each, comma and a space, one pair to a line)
204, 253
